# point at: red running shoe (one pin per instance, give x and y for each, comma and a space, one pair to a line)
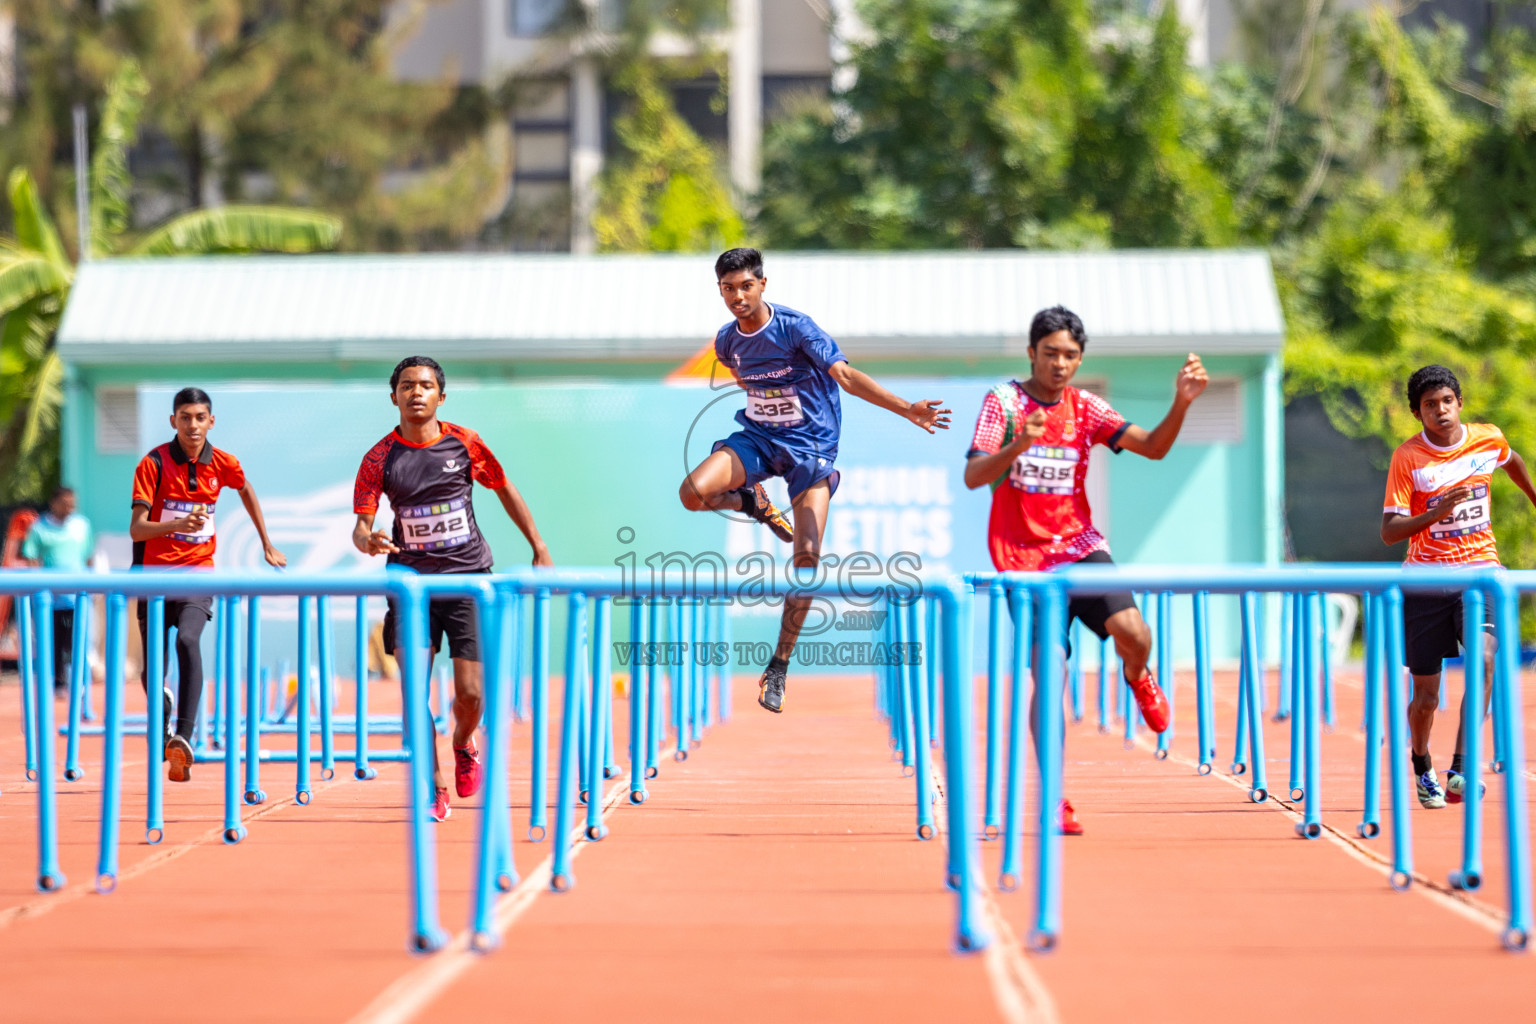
467, 770
1070, 826
1150, 699
440, 810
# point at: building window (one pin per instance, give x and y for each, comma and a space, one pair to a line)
531, 18
117, 421
1216, 417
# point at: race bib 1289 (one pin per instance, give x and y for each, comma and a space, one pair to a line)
432, 527
775, 407
1045, 470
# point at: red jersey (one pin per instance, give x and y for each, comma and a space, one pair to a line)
1040, 516
1421, 472
430, 487
170, 485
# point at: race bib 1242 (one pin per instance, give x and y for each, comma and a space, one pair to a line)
432, 527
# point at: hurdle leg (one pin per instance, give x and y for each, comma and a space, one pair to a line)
255, 676
601, 697
327, 688
1205, 704
1258, 780
1517, 833
1370, 820
49, 877
1048, 735
301, 790
154, 731
1397, 741
1296, 695
639, 700
361, 769
959, 745
561, 878
1165, 674
79, 677
992, 801
538, 797
28, 668
922, 773
1287, 657
234, 831
417, 728
1022, 607
1311, 826
112, 743
1470, 874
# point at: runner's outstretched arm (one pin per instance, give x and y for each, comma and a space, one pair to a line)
861, 385
1516, 468
518, 512
274, 557
1154, 444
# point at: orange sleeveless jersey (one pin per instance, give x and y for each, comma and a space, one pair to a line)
1422, 472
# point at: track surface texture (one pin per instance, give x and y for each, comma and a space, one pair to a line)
775, 875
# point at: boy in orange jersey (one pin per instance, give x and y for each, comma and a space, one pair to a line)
175, 489
1438, 500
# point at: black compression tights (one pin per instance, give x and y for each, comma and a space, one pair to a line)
189, 620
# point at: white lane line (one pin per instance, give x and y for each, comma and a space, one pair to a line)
1021, 996
42, 905
1481, 914
413, 992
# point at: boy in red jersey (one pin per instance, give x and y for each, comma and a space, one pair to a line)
428, 469
175, 489
1031, 445
1438, 500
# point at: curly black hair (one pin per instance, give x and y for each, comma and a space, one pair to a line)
1430, 378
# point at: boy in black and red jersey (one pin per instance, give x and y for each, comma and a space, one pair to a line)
175, 489
427, 469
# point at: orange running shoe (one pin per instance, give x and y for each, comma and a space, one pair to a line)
756, 504
179, 753
1150, 699
1070, 826
440, 810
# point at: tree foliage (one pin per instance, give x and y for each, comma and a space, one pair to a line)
289, 102
36, 274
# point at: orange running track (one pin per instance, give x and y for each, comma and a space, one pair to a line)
773, 876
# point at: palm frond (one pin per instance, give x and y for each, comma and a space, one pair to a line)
111, 183
242, 229
25, 275
34, 228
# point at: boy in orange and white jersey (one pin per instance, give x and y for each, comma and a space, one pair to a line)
1438, 500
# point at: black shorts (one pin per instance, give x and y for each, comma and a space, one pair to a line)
453, 616
1094, 610
1432, 630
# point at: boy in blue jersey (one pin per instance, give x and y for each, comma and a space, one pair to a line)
791, 371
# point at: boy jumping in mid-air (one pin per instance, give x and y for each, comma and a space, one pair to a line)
1031, 446
791, 371
1438, 500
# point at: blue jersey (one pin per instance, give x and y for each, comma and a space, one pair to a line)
792, 400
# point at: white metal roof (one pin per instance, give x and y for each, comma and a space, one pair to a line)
655, 307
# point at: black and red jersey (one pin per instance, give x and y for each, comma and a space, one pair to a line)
430, 487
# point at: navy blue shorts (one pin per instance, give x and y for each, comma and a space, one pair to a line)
763, 459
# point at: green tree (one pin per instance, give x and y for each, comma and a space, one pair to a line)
665, 189
36, 273
279, 101
1001, 123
